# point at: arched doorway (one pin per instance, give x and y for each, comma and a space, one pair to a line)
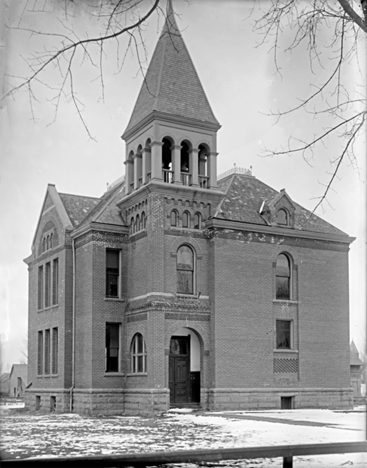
184, 368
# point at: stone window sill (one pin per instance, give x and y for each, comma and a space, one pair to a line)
114, 299
114, 374
137, 374
285, 350
282, 301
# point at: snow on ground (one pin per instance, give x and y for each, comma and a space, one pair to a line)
26, 435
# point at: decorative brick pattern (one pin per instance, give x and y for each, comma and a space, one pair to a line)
285, 365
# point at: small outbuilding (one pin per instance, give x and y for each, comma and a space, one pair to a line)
4, 383
356, 367
18, 380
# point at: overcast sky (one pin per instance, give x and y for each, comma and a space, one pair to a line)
242, 87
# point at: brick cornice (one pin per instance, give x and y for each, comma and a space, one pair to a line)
283, 232
164, 118
100, 227
170, 190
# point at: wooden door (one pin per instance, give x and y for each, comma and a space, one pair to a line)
179, 370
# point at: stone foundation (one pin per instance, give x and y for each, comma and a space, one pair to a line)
146, 402
154, 402
47, 401
265, 399
98, 401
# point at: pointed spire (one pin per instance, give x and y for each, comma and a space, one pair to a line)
171, 84
170, 26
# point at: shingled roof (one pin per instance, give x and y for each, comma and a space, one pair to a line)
78, 206
244, 196
171, 84
106, 210
354, 355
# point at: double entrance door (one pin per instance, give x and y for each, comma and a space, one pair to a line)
184, 385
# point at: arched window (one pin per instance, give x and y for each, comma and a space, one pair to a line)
51, 240
48, 242
143, 221
136, 226
282, 217
186, 220
138, 355
283, 277
185, 270
132, 226
44, 245
197, 221
174, 218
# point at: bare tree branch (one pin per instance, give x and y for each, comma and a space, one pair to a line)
337, 97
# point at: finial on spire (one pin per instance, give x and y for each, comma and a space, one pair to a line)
170, 26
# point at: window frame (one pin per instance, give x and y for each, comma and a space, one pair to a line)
55, 351
198, 215
48, 285
47, 348
109, 274
55, 282
286, 217
175, 214
193, 279
135, 354
290, 279
41, 288
40, 348
108, 362
187, 214
291, 344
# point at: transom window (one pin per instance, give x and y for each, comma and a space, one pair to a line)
185, 270
282, 217
283, 277
283, 334
138, 355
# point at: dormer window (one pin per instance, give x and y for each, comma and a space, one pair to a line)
282, 217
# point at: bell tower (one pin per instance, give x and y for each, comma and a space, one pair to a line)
171, 137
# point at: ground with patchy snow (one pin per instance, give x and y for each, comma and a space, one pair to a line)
28, 435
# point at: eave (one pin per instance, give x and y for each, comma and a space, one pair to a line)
242, 226
171, 190
171, 118
93, 226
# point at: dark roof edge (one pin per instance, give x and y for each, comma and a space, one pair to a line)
170, 118
95, 226
240, 225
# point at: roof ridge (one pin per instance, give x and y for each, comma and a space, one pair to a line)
81, 196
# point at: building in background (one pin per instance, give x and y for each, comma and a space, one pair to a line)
5, 384
18, 380
356, 368
181, 288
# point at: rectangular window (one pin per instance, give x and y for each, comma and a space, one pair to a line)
112, 347
283, 289
40, 353
55, 350
47, 351
185, 282
48, 285
40, 287
283, 334
112, 272
55, 281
